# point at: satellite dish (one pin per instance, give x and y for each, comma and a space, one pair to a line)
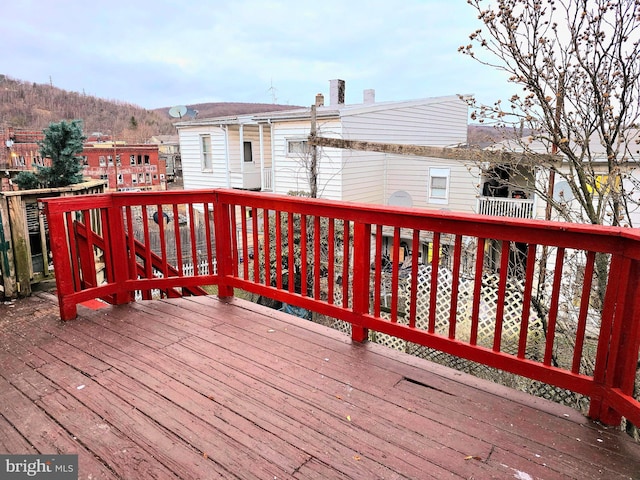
562, 192
191, 113
178, 111
400, 199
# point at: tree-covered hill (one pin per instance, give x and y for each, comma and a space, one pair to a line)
33, 106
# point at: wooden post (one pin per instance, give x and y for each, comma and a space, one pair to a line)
313, 167
361, 274
21, 247
223, 232
7, 266
620, 371
43, 242
117, 245
61, 256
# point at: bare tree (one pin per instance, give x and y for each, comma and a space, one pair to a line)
576, 65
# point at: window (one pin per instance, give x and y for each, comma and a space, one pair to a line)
438, 188
205, 152
132, 159
248, 154
297, 147
120, 179
146, 159
103, 161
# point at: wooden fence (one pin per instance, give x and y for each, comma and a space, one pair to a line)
24, 236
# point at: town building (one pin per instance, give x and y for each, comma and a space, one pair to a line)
270, 151
169, 151
19, 152
125, 167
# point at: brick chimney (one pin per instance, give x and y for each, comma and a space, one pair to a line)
336, 92
319, 100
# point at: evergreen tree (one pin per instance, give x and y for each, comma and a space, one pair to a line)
62, 143
27, 181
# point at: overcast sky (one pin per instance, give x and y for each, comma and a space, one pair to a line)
163, 53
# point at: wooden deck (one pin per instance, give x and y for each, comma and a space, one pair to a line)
195, 388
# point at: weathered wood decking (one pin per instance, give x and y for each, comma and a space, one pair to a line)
197, 388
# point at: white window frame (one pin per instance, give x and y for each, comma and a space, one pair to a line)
247, 148
437, 196
206, 161
303, 150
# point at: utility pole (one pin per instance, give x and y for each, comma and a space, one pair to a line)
313, 168
115, 161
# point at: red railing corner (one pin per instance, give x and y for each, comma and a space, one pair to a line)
622, 360
60, 250
115, 238
223, 237
361, 276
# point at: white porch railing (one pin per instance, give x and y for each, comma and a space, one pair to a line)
267, 179
506, 207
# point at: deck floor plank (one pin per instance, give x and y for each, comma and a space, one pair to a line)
304, 397
43, 434
131, 378
461, 438
236, 398
201, 388
515, 425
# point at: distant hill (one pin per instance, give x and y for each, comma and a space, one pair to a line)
34, 106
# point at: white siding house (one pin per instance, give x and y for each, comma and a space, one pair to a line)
231, 152
527, 178
280, 155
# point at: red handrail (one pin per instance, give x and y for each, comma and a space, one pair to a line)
326, 257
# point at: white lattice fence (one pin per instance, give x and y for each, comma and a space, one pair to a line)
488, 310
187, 270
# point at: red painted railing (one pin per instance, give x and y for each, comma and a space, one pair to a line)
424, 277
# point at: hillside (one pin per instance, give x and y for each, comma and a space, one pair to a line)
33, 106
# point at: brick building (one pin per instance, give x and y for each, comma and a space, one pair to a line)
126, 167
137, 166
19, 151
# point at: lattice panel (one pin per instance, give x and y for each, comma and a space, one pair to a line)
488, 308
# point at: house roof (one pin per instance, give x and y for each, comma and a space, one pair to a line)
325, 111
536, 145
165, 139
